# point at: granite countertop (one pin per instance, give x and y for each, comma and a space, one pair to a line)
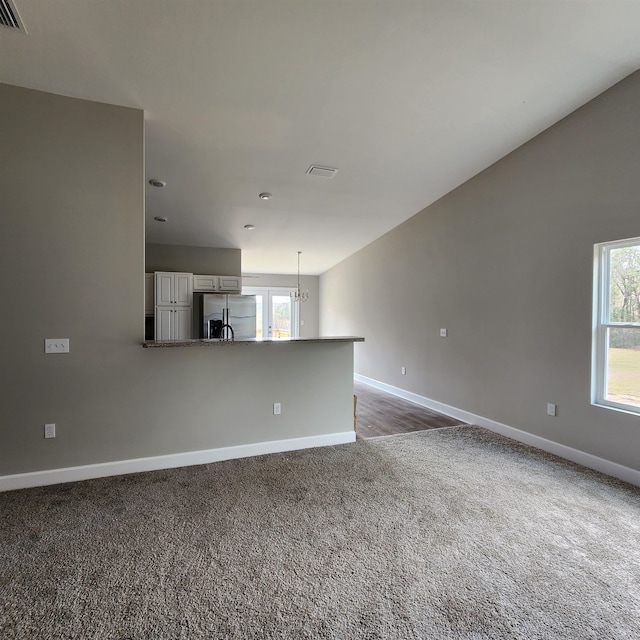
164, 344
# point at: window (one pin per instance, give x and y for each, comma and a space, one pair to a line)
616, 341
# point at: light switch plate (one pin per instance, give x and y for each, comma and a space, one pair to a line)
551, 409
443, 333
56, 345
50, 430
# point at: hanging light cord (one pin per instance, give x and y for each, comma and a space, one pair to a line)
299, 296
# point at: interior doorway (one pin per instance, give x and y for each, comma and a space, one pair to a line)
276, 313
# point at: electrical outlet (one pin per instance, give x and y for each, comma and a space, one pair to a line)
551, 409
404, 371
277, 408
443, 333
56, 345
49, 430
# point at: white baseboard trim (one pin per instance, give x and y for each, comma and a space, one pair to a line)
632, 476
189, 458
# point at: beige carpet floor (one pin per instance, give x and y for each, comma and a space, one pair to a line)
448, 533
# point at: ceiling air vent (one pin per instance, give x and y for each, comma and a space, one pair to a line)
9, 16
323, 172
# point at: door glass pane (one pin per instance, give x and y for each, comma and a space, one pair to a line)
623, 366
259, 330
281, 313
624, 284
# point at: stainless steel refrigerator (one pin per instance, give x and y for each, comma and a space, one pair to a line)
218, 312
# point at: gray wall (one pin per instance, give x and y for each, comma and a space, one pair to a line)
202, 260
72, 251
505, 263
309, 310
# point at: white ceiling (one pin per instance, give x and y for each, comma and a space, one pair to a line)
408, 99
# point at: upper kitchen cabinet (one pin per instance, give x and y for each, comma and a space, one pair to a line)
209, 284
229, 283
173, 289
205, 283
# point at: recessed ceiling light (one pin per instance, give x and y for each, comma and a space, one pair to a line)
265, 196
154, 182
160, 219
249, 227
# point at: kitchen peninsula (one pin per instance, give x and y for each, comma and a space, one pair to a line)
255, 396
164, 344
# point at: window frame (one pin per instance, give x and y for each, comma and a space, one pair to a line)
602, 325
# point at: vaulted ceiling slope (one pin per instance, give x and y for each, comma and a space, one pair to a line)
407, 99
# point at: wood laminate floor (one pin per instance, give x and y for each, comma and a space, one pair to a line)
382, 414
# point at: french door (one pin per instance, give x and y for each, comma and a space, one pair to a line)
276, 314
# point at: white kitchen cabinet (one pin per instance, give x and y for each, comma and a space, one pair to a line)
173, 323
182, 320
205, 283
149, 288
229, 283
184, 289
165, 288
213, 284
173, 305
173, 289
164, 323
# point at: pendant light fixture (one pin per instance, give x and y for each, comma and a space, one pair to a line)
298, 295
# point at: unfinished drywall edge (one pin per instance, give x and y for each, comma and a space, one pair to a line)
155, 463
632, 476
